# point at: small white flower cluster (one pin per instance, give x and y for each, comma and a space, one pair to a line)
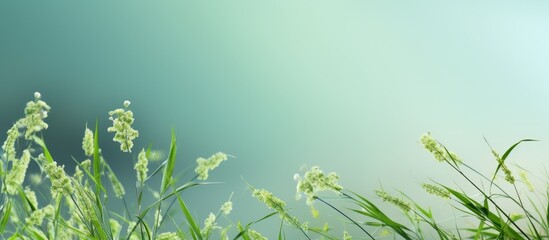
122, 121
204, 165
141, 167
315, 181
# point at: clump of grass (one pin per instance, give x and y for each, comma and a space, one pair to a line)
55, 205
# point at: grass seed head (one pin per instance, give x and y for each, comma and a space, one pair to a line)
16, 176
141, 167
9, 145
122, 121
87, 142
205, 165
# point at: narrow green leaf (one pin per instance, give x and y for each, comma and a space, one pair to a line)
168, 170
5, 218
192, 223
96, 160
42, 144
514, 145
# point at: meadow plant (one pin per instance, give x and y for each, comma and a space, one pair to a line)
52, 204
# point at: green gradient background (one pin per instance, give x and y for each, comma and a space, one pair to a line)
346, 85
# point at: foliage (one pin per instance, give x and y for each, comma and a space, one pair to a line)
76, 207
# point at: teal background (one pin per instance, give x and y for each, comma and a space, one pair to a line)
346, 85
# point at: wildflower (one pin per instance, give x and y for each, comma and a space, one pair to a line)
204, 165
124, 133
87, 142
393, 200
254, 235
526, 181
437, 150
141, 166
315, 181
508, 176
115, 228
15, 177
435, 190
60, 182
226, 208
35, 112
168, 236
346, 236
9, 144
117, 186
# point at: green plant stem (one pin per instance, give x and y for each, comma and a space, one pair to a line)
490, 199
345, 215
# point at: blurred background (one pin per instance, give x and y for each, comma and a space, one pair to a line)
282, 86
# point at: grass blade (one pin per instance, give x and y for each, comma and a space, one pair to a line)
168, 170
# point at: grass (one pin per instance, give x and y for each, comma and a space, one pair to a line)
77, 206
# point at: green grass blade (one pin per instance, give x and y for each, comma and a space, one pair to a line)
168, 170
514, 145
42, 144
192, 223
96, 161
5, 218
245, 229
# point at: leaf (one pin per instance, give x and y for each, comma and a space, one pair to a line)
42, 144
192, 223
5, 218
168, 170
